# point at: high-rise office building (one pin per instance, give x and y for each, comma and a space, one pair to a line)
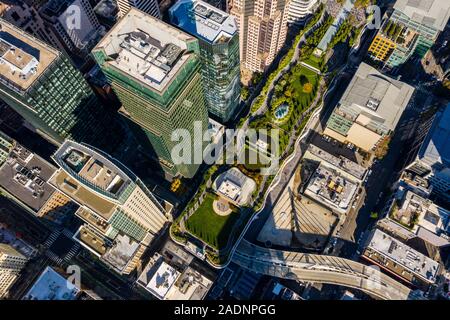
11, 263
155, 69
299, 10
148, 6
121, 215
41, 84
74, 23
219, 51
262, 29
411, 30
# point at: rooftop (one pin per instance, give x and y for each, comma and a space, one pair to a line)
436, 146
23, 58
25, 175
146, 48
331, 189
434, 13
52, 286
234, 185
121, 252
378, 98
93, 169
166, 282
339, 162
203, 20
403, 255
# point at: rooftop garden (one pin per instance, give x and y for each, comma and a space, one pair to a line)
210, 227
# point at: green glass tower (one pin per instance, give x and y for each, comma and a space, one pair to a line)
41, 84
155, 71
219, 51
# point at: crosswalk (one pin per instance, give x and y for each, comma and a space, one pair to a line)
60, 261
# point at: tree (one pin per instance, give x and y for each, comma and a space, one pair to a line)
307, 88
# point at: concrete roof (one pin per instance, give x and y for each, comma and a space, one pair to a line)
203, 20
433, 13
146, 48
22, 45
387, 96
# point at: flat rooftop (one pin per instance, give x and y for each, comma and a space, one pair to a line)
403, 255
52, 286
121, 252
339, 162
166, 282
88, 165
434, 13
83, 196
147, 49
436, 146
203, 20
328, 187
25, 176
376, 97
23, 58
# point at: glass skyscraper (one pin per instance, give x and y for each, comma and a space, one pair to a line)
217, 33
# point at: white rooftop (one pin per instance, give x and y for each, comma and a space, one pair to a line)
52, 286
379, 98
203, 20
433, 13
146, 48
404, 255
163, 279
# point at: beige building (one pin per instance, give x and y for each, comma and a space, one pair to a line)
11, 263
262, 30
121, 215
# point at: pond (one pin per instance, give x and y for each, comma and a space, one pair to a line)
281, 111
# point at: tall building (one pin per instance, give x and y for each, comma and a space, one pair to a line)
41, 84
411, 30
262, 29
11, 263
121, 215
74, 23
369, 109
219, 51
148, 6
299, 10
6, 145
154, 69
432, 162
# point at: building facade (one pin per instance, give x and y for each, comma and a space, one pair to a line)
299, 10
219, 51
74, 23
412, 29
155, 71
262, 29
41, 84
11, 263
121, 215
432, 162
148, 6
6, 145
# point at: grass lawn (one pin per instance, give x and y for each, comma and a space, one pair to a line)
209, 226
250, 153
313, 61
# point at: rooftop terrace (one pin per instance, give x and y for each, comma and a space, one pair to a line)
23, 58
203, 20
94, 170
149, 50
